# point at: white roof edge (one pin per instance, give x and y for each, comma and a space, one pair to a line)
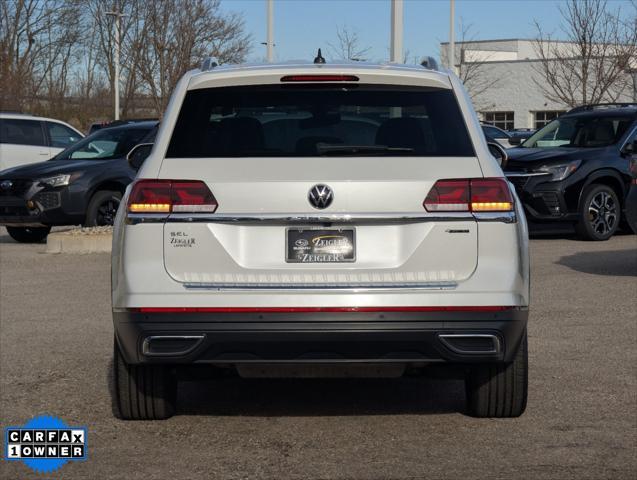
247, 74
29, 116
293, 64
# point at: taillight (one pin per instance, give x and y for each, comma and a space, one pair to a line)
150, 196
448, 196
490, 195
165, 196
469, 195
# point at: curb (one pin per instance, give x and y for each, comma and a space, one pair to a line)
64, 242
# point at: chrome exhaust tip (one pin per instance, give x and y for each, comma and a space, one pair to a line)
170, 345
472, 343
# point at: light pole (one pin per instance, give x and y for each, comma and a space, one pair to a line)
270, 41
118, 20
396, 48
452, 36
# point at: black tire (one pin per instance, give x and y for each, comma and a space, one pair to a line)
143, 392
28, 234
499, 390
599, 214
102, 208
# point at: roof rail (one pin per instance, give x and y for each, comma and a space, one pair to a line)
209, 63
595, 106
429, 63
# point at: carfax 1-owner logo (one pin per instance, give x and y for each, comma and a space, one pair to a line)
45, 444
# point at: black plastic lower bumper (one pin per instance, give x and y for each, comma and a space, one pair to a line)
37, 207
379, 337
545, 202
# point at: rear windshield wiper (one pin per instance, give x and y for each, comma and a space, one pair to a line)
327, 149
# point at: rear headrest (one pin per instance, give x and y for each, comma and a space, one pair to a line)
402, 133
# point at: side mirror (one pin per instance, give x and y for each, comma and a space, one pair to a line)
138, 154
630, 149
515, 140
499, 153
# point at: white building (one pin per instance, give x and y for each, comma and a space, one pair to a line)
508, 70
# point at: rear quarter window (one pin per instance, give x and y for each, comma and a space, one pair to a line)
314, 120
21, 132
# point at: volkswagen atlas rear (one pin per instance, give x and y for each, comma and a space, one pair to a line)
320, 220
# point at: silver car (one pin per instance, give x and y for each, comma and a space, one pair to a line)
320, 220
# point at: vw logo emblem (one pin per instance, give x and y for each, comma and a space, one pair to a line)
6, 184
320, 196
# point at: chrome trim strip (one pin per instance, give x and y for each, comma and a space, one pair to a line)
354, 288
304, 218
525, 174
135, 218
504, 217
497, 346
311, 218
146, 344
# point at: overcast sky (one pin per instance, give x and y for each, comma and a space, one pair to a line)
302, 26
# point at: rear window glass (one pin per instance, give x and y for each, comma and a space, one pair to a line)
21, 132
316, 120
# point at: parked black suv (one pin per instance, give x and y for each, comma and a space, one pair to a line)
576, 168
81, 185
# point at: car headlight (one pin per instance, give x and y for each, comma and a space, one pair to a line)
59, 180
560, 171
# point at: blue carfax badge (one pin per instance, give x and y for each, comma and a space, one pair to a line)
45, 443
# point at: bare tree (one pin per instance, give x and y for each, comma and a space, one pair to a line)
132, 40
591, 65
36, 41
472, 65
348, 45
56, 56
472, 69
178, 34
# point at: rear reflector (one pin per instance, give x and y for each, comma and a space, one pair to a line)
319, 78
165, 196
487, 308
469, 195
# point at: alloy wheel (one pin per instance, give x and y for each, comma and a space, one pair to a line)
602, 213
106, 211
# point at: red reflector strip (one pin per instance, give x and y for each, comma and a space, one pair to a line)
319, 78
480, 308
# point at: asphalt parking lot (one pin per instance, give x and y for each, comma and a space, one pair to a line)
581, 420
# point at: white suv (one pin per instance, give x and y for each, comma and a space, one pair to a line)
316, 219
28, 139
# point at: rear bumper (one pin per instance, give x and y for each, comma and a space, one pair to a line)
320, 337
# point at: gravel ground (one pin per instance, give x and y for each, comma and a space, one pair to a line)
581, 420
